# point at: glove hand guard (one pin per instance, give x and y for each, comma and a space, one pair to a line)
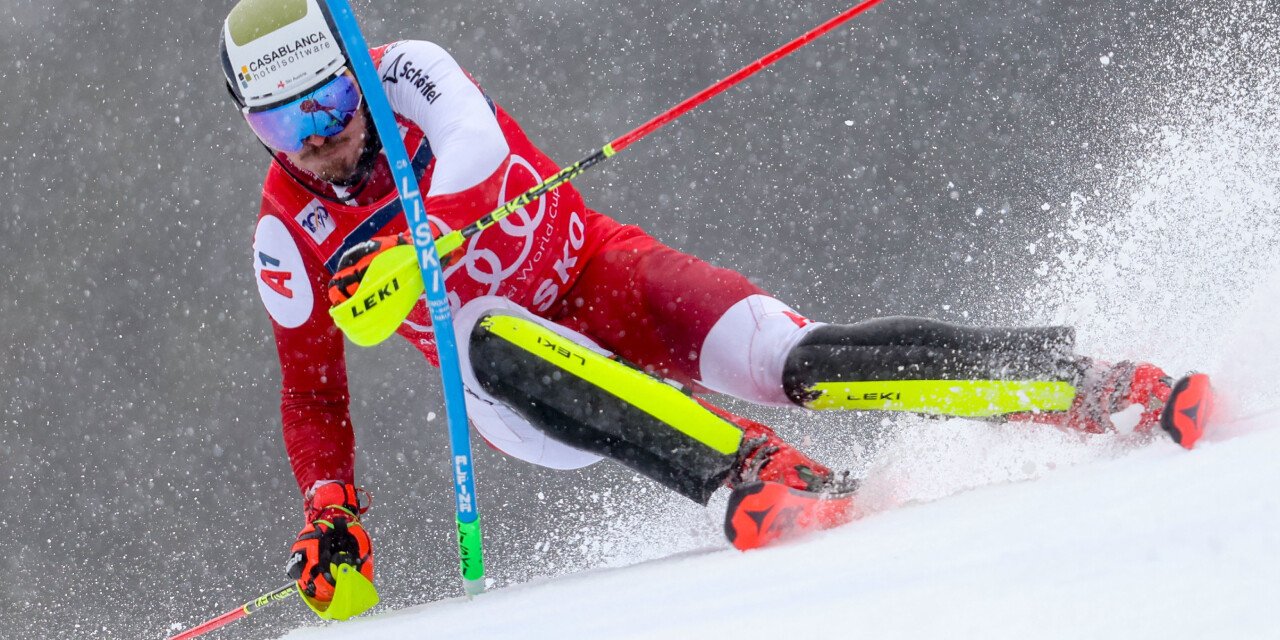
376, 285
332, 559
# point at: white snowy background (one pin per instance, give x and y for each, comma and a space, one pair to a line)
1109, 164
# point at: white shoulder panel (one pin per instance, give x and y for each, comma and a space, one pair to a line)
425, 85
282, 278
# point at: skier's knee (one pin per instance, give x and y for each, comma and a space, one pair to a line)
591, 402
744, 351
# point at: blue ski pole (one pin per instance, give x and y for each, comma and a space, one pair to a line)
468, 516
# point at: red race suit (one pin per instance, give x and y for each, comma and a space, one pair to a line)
555, 257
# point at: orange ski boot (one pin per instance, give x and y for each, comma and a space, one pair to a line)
779, 493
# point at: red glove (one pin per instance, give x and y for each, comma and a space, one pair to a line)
333, 535
352, 265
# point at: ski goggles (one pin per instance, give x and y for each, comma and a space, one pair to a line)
324, 111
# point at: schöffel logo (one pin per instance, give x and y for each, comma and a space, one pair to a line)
316, 220
402, 69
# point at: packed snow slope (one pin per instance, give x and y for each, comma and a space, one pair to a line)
1158, 543
1172, 255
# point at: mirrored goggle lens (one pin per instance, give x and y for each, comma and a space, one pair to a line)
323, 112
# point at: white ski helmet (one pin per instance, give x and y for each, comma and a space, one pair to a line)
274, 50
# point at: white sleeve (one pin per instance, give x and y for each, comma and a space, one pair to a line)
425, 85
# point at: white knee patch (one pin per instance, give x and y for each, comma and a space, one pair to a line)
500, 426
746, 349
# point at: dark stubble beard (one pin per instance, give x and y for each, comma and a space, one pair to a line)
364, 164
337, 169
344, 168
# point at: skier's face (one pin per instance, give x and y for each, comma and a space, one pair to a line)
334, 158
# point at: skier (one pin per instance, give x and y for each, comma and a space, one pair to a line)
573, 328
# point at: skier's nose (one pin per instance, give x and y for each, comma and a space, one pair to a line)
315, 140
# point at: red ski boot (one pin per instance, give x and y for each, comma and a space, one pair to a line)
1133, 397
760, 513
1126, 397
778, 492
1188, 410
765, 457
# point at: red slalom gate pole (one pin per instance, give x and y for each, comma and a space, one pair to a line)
712, 91
243, 610
452, 241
